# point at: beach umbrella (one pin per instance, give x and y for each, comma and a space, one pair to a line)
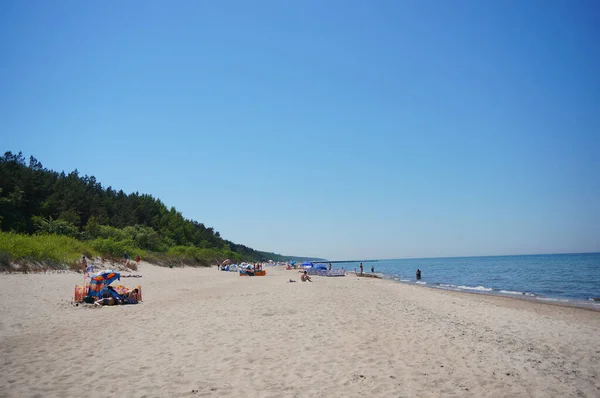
307, 264
108, 276
226, 262
100, 281
292, 262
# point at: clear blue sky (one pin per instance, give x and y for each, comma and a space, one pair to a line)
338, 129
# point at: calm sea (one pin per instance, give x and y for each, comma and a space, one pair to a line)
558, 277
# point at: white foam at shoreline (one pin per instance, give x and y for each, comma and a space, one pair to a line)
512, 292
590, 303
476, 288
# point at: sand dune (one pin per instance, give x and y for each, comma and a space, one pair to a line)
201, 332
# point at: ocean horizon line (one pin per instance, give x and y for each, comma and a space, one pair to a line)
454, 257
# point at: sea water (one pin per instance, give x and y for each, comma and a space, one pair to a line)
554, 277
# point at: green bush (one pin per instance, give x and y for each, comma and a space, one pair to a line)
54, 227
115, 248
108, 232
144, 237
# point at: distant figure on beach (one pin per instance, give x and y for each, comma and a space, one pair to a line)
305, 277
418, 274
138, 259
329, 266
372, 269
84, 263
126, 257
361, 268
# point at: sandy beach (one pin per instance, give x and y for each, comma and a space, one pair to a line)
201, 332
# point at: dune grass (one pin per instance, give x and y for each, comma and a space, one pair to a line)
63, 252
56, 251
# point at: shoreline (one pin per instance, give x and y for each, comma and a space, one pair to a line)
577, 304
574, 303
535, 298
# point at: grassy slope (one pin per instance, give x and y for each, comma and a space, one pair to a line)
62, 252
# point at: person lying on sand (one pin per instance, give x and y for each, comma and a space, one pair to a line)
105, 301
305, 277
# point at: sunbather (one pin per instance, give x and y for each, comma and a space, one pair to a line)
119, 299
305, 277
132, 296
105, 301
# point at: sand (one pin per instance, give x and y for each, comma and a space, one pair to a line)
202, 332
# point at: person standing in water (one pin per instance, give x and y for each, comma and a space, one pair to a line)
372, 269
361, 268
418, 274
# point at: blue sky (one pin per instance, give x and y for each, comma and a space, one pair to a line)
337, 129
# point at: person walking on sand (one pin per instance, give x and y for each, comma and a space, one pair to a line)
126, 258
361, 268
